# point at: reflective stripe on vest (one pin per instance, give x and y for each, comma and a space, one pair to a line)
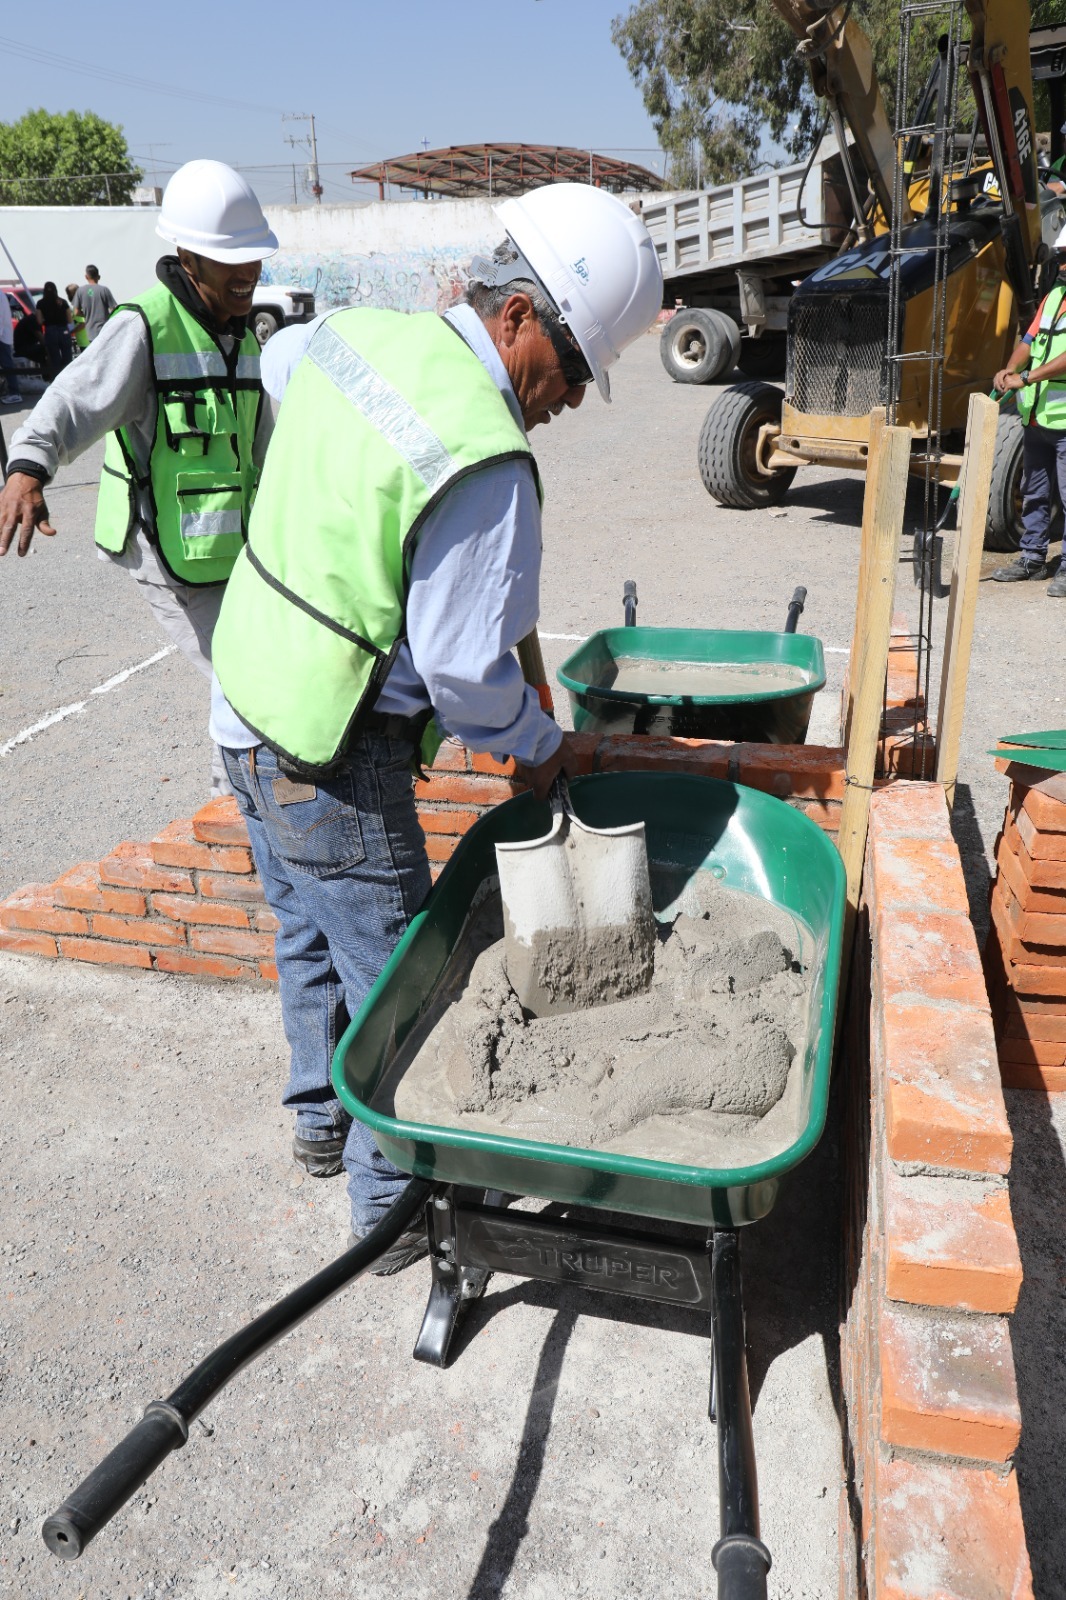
195, 499
384, 413
1044, 403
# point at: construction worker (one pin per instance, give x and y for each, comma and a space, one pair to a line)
392, 566
172, 379
1037, 373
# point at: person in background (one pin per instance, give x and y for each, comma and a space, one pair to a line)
77, 321
11, 395
94, 301
1036, 373
53, 314
172, 380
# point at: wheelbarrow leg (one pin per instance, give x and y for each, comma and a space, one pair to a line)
740, 1559
454, 1285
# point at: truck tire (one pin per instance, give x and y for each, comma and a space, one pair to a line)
698, 346
763, 358
264, 323
1003, 527
727, 448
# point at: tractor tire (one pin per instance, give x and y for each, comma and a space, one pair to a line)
697, 346
1003, 527
727, 449
763, 358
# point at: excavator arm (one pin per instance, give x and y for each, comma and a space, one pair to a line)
841, 65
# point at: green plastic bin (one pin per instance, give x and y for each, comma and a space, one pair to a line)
750, 841
761, 716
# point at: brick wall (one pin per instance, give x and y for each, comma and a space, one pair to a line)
1025, 956
932, 1268
189, 900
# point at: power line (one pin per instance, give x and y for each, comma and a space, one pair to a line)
126, 80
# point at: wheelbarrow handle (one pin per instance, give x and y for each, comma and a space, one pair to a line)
795, 609
629, 602
117, 1478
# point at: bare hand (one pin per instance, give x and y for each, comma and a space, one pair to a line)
540, 777
22, 506
1007, 380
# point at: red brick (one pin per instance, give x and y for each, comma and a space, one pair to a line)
481, 762
465, 790
32, 908
1050, 1080
451, 758
1048, 876
1032, 927
1004, 913
947, 1533
1033, 1025
446, 821
919, 873
1033, 1052
825, 813
81, 890
927, 955
223, 942
1046, 814
27, 944
915, 810
201, 966
631, 753
439, 846
950, 1242
269, 971
220, 822
901, 682
904, 752
943, 1103
1041, 846
1026, 978
947, 1383
265, 921
216, 886
177, 846
181, 909
140, 930
96, 950
139, 871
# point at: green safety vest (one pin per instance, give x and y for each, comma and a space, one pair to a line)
196, 498
385, 412
1045, 402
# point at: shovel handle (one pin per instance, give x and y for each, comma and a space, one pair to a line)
531, 661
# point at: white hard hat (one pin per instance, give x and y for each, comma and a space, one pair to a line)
597, 263
210, 209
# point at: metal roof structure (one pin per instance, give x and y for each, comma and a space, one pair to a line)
463, 170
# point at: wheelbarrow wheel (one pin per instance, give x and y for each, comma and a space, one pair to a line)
728, 449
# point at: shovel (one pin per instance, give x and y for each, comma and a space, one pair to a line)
579, 929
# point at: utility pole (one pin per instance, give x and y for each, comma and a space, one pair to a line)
308, 144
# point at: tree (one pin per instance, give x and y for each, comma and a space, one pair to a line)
70, 158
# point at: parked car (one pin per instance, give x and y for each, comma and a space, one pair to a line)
276, 305
28, 341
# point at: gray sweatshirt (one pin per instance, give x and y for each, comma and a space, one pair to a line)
108, 386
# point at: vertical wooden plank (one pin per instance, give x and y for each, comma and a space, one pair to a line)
886, 492
981, 424
873, 459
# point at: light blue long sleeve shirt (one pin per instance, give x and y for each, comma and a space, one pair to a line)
474, 593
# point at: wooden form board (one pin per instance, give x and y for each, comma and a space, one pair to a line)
981, 423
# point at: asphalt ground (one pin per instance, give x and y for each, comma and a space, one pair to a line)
154, 1206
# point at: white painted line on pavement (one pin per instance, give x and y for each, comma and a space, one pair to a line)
70, 711
574, 636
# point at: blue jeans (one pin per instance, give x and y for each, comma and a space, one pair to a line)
1043, 464
344, 872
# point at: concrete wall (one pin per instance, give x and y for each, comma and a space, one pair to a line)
405, 256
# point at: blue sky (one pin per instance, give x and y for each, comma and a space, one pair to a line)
379, 77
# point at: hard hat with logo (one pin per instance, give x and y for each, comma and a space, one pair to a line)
596, 262
210, 209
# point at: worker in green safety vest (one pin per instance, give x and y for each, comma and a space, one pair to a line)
172, 380
1036, 372
392, 566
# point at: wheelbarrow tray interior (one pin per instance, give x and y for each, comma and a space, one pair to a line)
749, 841
776, 715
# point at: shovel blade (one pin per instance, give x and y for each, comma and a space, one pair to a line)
579, 929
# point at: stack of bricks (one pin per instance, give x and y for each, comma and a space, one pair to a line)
906, 748
1025, 956
932, 1265
189, 900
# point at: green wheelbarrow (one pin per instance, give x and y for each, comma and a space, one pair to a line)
463, 1180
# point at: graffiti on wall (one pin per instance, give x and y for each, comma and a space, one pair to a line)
409, 280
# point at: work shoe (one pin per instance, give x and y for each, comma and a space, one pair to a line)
409, 1248
10, 399
1057, 587
320, 1158
1021, 570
